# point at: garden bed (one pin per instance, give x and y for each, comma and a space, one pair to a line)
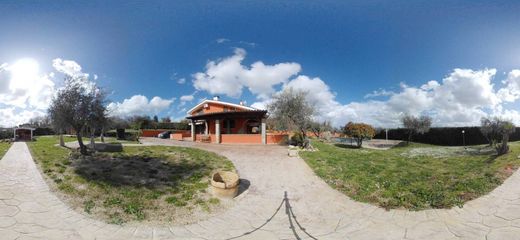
415, 177
158, 184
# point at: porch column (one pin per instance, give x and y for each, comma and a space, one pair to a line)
217, 131
206, 131
192, 130
264, 132
31, 134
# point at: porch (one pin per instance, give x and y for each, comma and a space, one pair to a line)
242, 127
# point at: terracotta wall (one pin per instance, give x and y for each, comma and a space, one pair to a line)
180, 135
155, 132
241, 138
151, 132
274, 138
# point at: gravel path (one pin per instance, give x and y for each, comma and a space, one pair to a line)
312, 210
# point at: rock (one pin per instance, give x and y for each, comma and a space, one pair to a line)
293, 152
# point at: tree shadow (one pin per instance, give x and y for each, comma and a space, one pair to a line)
137, 170
348, 146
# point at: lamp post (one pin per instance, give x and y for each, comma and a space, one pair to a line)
386, 131
463, 140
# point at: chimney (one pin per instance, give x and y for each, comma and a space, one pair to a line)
216, 98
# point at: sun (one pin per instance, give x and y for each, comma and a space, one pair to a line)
24, 73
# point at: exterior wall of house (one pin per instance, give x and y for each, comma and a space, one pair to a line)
236, 135
23, 134
240, 126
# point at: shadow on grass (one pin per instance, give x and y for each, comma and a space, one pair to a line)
348, 146
137, 171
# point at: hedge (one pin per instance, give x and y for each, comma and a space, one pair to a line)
445, 136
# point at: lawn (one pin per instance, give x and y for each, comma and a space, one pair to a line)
153, 183
414, 177
4, 146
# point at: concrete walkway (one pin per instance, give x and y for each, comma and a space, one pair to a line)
28, 210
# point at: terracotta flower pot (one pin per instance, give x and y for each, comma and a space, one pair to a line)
224, 184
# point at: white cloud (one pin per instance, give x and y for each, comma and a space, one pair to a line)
24, 91
461, 99
187, 98
379, 93
512, 90
222, 40
139, 105
181, 80
228, 76
68, 67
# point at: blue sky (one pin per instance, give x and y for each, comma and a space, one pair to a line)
346, 48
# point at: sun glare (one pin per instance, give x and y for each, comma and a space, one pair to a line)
23, 73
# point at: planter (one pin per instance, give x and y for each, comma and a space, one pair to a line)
224, 184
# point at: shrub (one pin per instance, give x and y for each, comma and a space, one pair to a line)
298, 139
359, 131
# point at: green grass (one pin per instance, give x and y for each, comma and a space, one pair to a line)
141, 183
414, 177
4, 146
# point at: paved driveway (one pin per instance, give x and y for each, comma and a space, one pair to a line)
311, 210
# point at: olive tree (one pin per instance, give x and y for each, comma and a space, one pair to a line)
318, 128
497, 132
78, 105
489, 127
416, 125
290, 110
359, 131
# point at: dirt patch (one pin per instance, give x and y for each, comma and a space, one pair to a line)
443, 152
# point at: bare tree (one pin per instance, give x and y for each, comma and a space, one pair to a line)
291, 111
416, 125
78, 105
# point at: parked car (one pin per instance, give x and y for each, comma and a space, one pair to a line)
165, 134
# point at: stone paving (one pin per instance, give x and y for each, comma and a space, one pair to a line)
28, 210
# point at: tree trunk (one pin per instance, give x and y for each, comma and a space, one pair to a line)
62, 142
92, 140
359, 142
102, 135
503, 148
82, 147
409, 137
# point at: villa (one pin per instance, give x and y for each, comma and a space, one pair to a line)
215, 121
